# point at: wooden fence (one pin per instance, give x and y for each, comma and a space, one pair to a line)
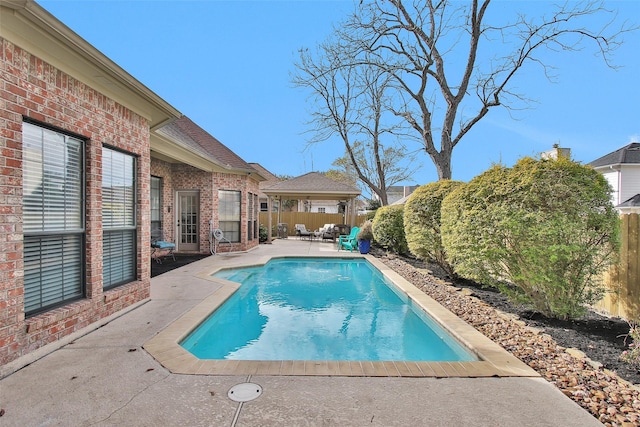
311, 220
623, 280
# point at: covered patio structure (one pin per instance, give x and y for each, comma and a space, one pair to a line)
313, 186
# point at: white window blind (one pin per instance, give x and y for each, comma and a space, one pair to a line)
53, 194
229, 214
118, 218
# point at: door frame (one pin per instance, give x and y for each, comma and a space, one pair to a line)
180, 245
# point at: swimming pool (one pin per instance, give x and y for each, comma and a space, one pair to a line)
320, 309
189, 285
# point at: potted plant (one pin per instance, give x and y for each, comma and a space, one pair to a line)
365, 236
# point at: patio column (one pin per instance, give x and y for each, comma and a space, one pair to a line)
353, 211
269, 220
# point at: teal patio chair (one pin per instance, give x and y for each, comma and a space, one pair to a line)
161, 248
349, 242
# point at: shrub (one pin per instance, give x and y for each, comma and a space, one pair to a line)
388, 228
262, 234
422, 222
546, 226
370, 215
464, 230
366, 231
632, 355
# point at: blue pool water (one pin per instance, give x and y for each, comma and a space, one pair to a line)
319, 309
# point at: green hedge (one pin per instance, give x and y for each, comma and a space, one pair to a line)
422, 222
542, 231
388, 228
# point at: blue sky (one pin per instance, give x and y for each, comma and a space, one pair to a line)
227, 65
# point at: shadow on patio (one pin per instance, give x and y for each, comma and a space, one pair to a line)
169, 264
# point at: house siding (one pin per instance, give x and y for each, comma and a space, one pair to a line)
34, 89
625, 181
613, 178
630, 182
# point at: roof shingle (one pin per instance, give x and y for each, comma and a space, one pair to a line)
628, 154
185, 132
313, 185
632, 202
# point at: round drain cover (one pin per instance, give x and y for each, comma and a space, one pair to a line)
244, 392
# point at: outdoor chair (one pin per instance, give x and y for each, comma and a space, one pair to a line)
216, 237
328, 232
301, 231
342, 229
349, 242
160, 248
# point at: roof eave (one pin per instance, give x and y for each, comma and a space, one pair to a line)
311, 195
609, 166
169, 150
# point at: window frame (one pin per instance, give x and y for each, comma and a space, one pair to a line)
231, 227
159, 222
123, 226
67, 237
250, 216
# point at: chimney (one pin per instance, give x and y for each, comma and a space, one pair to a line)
556, 152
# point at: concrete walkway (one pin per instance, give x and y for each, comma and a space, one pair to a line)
106, 378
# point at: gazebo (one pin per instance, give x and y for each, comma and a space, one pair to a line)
312, 186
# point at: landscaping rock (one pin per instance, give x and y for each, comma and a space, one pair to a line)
607, 396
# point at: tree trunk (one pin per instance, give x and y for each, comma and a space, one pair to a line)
442, 161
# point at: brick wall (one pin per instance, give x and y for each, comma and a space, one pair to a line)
188, 178
162, 170
34, 89
177, 177
225, 181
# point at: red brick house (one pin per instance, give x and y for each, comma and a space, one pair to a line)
198, 184
92, 160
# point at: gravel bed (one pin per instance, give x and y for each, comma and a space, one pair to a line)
611, 399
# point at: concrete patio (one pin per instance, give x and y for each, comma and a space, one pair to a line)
105, 377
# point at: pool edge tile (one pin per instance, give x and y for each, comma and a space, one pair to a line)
493, 359
392, 370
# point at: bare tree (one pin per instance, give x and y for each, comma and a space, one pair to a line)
390, 170
352, 102
449, 67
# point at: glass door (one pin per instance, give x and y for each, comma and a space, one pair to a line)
187, 221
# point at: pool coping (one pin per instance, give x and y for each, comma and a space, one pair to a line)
494, 360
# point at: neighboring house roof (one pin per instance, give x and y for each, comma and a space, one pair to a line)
184, 133
626, 155
633, 202
405, 190
398, 194
401, 201
313, 185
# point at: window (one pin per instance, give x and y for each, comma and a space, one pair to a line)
156, 205
322, 210
229, 214
118, 218
264, 207
250, 216
53, 177
255, 216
